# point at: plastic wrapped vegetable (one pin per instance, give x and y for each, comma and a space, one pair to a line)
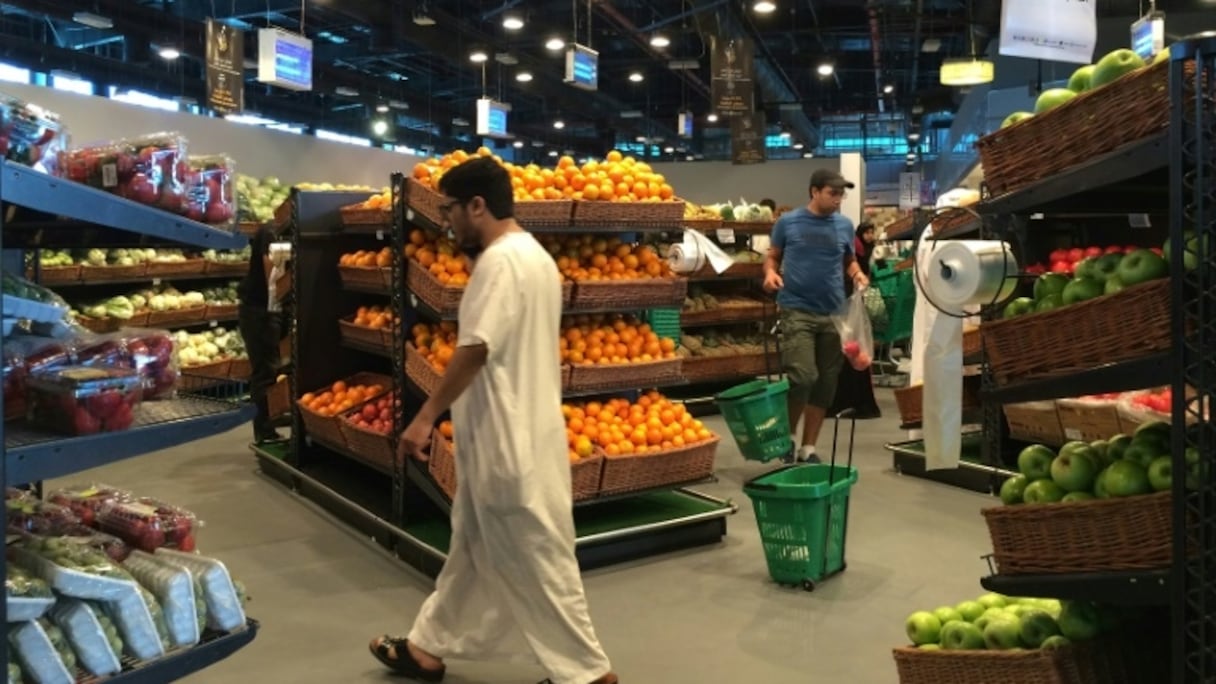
151, 353
149, 524
79, 400
30, 135
173, 587
224, 598
32, 515
88, 637
150, 170
37, 654
211, 191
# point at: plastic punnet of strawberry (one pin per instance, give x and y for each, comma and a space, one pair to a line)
150, 524
87, 502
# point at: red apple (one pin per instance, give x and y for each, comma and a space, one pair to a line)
1058, 255
1061, 267
1076, 254
1093, 251
1113, 249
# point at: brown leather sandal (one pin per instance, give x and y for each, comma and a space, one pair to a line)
394, 653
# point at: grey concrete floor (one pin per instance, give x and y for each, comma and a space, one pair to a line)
706, 615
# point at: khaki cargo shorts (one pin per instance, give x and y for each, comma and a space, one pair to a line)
811, 357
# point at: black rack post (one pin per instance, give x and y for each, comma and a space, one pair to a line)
1193, 209
398, 304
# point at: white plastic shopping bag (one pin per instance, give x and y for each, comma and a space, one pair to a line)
856, 336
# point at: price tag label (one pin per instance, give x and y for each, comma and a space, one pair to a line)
1072, 434
409, 214
213, 323
726, 236
1139, 221
109, 175
156, 282
380, 235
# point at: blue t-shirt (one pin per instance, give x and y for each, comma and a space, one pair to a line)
812, 264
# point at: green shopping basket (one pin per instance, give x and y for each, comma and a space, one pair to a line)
756, 413
803, 515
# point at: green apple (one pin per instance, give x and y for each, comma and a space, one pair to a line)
930, 647
1016, 117
1113, 285
1116, 446
1160, 473
1074, 469
1052, 98
992, 600
1141, 266
1163, 56
1082, 289
1054, 642
1106, 266
1037, 627
1101, 449
989, 615
1049, 283
962, 636
1124, 478
1195, 468
923, 627
1018, 307
1051, 301
970, 610
1154, 428
1100, 484
1043, 491
1035, 462
1113, 66
1003, 633
1052, 606
1073, 497
1142, 453
1081, 78
946, 614
1078, 620
1013, 489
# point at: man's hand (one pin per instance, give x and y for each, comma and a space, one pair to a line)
860, 281
773, 281
414, 440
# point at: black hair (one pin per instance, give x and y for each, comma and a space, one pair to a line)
766, 202
481, 177
863, 227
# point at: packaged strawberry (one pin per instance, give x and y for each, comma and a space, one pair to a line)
149, 524
150, 169
150, 352
82, 400
27, 514
87, 502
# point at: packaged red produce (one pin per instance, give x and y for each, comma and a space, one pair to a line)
38, 517
82, 400
149, 524
150, 170
87, 502
31, 135
102, 350
78, 534
14, 383
151, 353
211, 190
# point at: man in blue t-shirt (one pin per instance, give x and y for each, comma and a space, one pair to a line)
810, 256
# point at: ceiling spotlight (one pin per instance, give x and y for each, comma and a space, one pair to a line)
798, 146
346, 91
382, 108
559, 124
421, 18
911, 156
518, 144
914, 136
636, 77
523, 76
659, 40
379, 127
478, 56
808, 155
764, 7
555, 44
785, 134
825, 69
712, 118
93, 20
641, 139
552, 153
168, 52
888, 89
669, 149
398, 104
512, 22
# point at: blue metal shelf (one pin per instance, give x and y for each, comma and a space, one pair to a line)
33, 455
28, 188
179, 664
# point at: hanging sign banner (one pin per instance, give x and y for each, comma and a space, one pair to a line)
225, 68
1052, 30
733, 76
747, 138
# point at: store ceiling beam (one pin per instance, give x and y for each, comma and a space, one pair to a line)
629, 29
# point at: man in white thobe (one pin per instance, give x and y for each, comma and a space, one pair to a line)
511, 568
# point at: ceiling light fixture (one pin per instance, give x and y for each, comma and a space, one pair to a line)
967, 71
552, 153
478, 56
764, 7
637, 77
523, 76
712, 118
382, 108
169, 52
512, 22
555, 44
398, 104
346, 91
379, 127
798, 146
421, 18
559, 124
669, 150
93, 20
659, 40
808, 155
888, 89
825, 69
785, 134
518, 144
914, 136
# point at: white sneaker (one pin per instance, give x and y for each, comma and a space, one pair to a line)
806, 454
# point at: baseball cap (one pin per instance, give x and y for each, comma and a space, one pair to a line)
828, 178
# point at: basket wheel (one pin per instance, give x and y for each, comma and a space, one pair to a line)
808, 585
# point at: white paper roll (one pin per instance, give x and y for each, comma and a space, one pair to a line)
963, 273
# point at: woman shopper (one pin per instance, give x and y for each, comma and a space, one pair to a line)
260, 322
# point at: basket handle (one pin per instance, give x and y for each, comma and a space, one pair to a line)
753, 485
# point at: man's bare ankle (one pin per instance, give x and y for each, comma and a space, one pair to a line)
426, 660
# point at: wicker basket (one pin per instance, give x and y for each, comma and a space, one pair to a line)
973, 344
248, 228
630, 294
1078, 130
442, 464
736, 270
222, 312
544, 213
278, 398
444, 299
724, 315
56, 275
162, 319
328, 429
567, 293
92, 274
1088, 419
951, 220
366, 278
585, 377
707, 368
911, 399
1036, 421
361, 335
566, 372
195, 378
420, 371
1103, 535
1030, 666
626, 214
376, 449
750, 227
359, 215
585, 476
173, 269
284, 214
424, 201
140, 319
634, 472
225, 268
99, 325
702, 225
241, 369
1080, 336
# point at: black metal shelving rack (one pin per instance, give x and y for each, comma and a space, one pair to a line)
401, 506
42, 211
1172, 175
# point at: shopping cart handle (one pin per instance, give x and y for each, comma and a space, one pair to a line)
847, 413
753, 485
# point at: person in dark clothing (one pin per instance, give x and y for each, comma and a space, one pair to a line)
854, 388
261, 329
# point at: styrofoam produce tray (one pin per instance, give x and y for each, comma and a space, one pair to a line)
224, 610
23, 608
87, 636
73, 582
16, 307
37, 654
173, 586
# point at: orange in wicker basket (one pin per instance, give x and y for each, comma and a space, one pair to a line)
322, 410
584, 473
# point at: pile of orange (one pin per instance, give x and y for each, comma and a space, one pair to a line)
653, 425
377, 317
382, 201
338, 398
590, 258
438, 255
606, 339
368, 259
436, 343
429, 172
